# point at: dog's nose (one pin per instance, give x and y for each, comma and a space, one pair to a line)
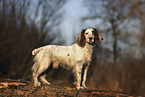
90, 38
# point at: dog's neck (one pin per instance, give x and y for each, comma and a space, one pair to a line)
89, 48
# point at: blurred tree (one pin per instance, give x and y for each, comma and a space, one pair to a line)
45, 17
137, 9
116, 13
19, 35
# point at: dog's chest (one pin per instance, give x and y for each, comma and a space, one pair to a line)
87, 56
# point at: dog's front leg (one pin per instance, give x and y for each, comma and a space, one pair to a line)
78, 74
85, 76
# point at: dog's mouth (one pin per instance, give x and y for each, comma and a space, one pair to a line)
90, 40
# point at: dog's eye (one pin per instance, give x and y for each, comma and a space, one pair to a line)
87, 33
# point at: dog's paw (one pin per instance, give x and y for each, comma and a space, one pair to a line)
48, 84
78, 87
38, 84
81, 87
86, 88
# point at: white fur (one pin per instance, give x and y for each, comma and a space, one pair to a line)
74, 57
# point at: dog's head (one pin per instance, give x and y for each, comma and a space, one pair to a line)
90, 36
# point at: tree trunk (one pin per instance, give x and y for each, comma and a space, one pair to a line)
114, 42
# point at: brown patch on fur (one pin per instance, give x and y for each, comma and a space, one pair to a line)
98, 36
81, 40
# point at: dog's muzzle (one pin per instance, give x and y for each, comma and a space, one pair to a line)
91, 39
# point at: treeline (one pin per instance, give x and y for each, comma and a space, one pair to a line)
18, 38
125, 72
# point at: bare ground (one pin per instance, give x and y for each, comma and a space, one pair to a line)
18, 88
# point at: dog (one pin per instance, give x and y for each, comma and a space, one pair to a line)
76, 57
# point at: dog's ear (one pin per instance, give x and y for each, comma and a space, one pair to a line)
81, 40
98, 36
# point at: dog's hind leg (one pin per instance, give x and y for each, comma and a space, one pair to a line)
35, 77
39, 73
44, 81
43, 75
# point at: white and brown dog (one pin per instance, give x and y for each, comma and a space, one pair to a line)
75, 57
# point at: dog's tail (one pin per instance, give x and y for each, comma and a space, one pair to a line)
35, 51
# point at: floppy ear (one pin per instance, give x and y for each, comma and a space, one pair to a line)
81, 40
98, 36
